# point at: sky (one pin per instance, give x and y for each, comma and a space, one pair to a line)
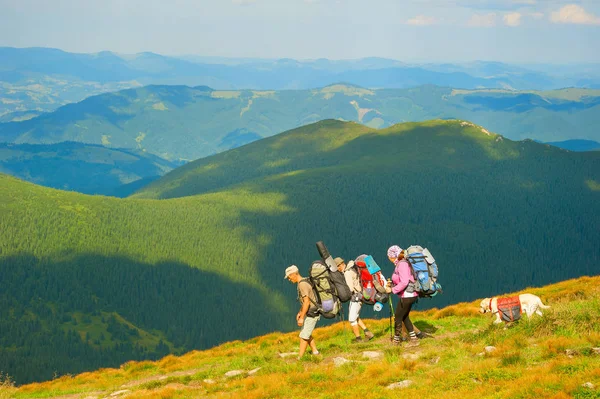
515, 31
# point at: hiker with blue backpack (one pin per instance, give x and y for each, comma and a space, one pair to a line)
415, 275
401, 284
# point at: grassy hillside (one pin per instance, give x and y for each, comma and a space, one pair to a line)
205, 265
178, 122
85, 168
547, 357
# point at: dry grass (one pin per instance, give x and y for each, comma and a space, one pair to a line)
530, 360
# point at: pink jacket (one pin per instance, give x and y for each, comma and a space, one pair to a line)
400, 279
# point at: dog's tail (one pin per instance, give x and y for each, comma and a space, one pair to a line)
541, 305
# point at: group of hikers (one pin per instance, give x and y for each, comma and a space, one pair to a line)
360, 281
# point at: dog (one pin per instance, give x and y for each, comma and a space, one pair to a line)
530, 304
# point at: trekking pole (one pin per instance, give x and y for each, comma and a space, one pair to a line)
391, 313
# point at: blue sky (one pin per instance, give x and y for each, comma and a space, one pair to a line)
517, 31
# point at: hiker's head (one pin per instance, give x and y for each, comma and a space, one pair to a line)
293, 274
341, 265
395, 253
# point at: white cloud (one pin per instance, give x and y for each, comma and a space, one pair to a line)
482, 20
422, 20
243, 2
574, 14
512, 19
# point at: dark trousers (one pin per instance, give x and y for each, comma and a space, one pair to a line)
402, 312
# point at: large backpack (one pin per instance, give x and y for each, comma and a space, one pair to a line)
328, 303
372, 291
424, 270
339, 281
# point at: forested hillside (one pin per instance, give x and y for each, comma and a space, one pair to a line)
85, 168
179, 122
206, 264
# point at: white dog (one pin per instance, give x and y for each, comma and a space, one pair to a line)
530, 304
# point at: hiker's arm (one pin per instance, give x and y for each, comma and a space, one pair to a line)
303, 310
401, 278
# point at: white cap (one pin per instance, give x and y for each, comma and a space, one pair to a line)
291, 270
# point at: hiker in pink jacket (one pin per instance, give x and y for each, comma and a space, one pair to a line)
403, 286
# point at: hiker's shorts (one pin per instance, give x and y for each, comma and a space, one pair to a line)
353, 312
308, 327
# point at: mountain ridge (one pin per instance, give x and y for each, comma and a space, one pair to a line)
202, 121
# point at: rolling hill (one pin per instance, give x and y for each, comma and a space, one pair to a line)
179, 122
196, 258
45, 78
85, 168
557, 355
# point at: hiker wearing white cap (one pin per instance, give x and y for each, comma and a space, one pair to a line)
353, 281
307, 317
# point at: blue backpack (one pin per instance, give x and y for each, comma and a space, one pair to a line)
424, 270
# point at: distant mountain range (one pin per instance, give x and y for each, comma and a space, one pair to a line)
577, 145
185, 123
196, 257
86, 168
45, 78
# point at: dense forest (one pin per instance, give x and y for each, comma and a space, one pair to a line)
197, 258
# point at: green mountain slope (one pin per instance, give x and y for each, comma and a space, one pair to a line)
179, 122
206, 265
86, 168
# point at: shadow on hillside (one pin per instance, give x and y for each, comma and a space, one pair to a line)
492, 225
193, 309
425, 326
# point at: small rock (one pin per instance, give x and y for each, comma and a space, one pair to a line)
489, 349
372, 354
234, 373
254, 371
401, 384
476, 381
569, 352
340, 361
209, 381
588, 385
410, 356
481, 354
119, 393
596, 351
288, 354
435, 360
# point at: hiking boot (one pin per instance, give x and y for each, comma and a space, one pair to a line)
423, 335
357, 340
396, 340
369, 335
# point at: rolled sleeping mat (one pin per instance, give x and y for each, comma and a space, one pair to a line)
326, 256
372, 266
